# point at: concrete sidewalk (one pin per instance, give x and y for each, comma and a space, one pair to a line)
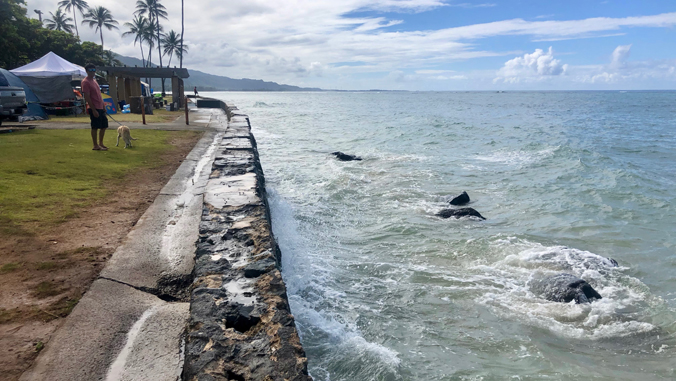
129, 325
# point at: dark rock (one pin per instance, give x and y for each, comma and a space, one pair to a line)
462, 199
459, 213
205, 265
258, 268
614, 262
240, 317
564, 288
345, 157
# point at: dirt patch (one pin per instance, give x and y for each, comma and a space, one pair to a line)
44, 275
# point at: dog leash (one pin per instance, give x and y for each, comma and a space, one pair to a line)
111, 117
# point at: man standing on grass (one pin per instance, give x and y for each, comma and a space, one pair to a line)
95, 107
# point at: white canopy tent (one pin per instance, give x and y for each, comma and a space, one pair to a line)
49, 77
50, 65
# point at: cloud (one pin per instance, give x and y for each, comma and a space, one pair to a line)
284, 41
440, 75
533, 66
470, 5
620, 70
620, 55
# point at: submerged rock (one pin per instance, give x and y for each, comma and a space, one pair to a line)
564, 288
462, 199
345, 157
459, 213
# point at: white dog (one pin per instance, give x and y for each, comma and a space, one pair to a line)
124, 132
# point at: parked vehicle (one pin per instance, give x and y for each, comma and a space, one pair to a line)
12, 102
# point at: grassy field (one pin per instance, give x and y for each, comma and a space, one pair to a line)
46, 176
159, 116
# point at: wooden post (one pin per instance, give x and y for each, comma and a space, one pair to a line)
112, 82
128, 92
185, 100
143, 109
121, 91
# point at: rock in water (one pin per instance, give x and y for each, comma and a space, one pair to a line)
458, 213
564, 288
462, 199
345, 157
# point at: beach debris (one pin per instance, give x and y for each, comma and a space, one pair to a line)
459, 213
565, 288
345, 157
461, 199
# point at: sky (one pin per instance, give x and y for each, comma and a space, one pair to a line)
438, 45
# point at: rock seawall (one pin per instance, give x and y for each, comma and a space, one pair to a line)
240, 326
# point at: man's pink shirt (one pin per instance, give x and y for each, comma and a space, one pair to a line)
91, 87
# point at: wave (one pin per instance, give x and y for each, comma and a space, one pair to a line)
261, 104
311, 298
518, 159
626, 310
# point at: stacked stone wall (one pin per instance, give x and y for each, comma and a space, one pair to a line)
241, 326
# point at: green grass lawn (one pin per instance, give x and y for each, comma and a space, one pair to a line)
159, 116
47, 176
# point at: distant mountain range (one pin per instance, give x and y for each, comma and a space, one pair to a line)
210, 82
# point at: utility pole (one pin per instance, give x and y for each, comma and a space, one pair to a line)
39, 12
182, 31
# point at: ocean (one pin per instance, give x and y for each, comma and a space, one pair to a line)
382, 289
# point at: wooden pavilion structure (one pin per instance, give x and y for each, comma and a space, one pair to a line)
125, 82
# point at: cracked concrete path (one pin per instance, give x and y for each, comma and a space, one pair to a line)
129, 325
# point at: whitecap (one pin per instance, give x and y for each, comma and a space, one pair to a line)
518, 159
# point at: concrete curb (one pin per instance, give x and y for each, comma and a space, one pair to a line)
130, 323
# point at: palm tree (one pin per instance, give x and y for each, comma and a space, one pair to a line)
172, 45
155, 11
149, 37
138, 28
109, 58
80, 5
59, 21
100, 17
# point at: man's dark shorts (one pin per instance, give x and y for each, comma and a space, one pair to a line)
98, 123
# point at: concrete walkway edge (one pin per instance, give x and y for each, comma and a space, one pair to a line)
130, 324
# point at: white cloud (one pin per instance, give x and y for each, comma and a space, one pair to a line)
284, 41
533, 66
440, 75
620, 70
470, 5
620, 55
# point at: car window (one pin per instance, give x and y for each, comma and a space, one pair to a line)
3, 81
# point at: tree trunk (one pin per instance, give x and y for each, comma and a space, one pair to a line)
75, 19
101, 33
150, 64
182, 30
159, 50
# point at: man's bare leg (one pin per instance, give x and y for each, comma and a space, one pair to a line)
102, 132
96, 146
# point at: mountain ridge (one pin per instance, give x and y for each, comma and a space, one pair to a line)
211, 82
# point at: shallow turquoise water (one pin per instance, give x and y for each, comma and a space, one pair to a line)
384, 290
